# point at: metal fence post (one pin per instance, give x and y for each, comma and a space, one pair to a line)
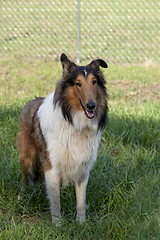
78, 31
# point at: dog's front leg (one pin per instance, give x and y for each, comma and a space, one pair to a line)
53, 190
81, 198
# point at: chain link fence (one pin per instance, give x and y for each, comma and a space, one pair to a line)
120, 31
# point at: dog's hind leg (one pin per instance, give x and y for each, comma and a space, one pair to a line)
27, 153
22, 185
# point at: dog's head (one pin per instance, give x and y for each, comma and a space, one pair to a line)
82, 88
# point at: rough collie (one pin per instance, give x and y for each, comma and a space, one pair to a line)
59, 135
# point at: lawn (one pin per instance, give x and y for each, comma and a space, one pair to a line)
123, 194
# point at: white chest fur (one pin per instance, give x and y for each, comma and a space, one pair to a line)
72, 148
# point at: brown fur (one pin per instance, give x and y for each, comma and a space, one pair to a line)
87, 91
31, 145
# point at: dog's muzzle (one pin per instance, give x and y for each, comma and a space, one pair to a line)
90, 109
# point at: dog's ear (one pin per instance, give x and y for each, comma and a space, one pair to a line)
98, 63
66, 63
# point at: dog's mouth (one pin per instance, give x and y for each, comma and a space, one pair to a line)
89, 113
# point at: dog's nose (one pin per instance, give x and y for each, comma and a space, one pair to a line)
91, 105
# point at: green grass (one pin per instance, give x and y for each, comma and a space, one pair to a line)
123, 190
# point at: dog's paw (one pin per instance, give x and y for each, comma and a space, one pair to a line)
19, 197
57, 221
81, 219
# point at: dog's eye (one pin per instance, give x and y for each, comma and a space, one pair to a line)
78, 84
94, 82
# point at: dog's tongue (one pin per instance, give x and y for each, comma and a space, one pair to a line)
90, 114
